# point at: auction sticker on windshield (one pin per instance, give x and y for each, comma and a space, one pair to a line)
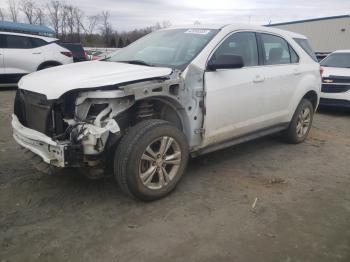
197, 31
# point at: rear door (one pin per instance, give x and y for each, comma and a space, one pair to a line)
21, 54
282, 75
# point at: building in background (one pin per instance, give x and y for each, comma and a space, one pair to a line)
326, 34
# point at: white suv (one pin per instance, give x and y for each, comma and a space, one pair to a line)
174, 93
21, 54
336, 80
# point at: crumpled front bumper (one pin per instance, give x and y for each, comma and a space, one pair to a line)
50, 151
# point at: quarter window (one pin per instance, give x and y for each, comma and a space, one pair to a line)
242, 44
277, 51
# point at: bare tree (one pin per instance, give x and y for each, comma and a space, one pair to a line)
93, 22
2, 14
13, 9
40, 16
106, 27
79, 17
54, 9
29, 9
69, 19
166, 24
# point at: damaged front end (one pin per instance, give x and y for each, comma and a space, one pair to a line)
73, 131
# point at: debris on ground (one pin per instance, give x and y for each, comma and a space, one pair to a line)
277, 180
254, 203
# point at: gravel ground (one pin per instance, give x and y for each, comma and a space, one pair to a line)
302, 209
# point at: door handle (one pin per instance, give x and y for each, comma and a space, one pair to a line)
258, 79
37, 53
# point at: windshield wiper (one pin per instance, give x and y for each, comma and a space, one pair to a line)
136, 62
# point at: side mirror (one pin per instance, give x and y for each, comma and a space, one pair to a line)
225, 62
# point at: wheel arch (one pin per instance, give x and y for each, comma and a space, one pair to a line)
48, 63
312, 97
168, 109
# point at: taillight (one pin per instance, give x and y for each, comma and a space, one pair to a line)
321, 71
86, 56
68, 54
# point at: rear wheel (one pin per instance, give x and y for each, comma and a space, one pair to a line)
301, 123
151, 159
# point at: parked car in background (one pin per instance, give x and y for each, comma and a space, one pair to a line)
175, 92
99, 53
78, 53
21, 54
336, 79
94, 55
321, 56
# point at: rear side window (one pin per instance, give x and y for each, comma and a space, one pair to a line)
22, 42
294, 58
37, 42
18, 42
242, 44
304, 44
276, 50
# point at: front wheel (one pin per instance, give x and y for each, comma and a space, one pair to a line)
151, 159
301, 123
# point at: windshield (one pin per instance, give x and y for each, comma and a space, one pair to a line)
174, 48
341, 60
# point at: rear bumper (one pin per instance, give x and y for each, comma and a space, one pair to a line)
50, 151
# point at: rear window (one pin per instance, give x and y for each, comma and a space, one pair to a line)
304, 44
341, 60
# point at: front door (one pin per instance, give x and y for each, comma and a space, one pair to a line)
233, 96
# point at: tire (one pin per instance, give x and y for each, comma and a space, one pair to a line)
47, 66
139, 163
301, 123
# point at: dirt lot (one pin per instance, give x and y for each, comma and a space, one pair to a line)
302, 212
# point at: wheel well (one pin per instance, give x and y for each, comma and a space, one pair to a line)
312, 97
156, 108
48, 63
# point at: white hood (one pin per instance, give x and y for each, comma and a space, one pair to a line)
56, 81
336, 71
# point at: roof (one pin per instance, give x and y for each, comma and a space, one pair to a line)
26, 28
238, 26
311, 20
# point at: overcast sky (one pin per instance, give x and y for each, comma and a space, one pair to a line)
130, 14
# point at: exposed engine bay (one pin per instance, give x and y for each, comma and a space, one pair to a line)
89, 123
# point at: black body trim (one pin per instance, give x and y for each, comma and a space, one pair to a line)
10, 78
242, 139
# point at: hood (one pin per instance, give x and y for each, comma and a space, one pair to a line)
56, 81
335, 71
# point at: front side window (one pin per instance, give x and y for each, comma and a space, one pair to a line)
18, 42
341, 60
242, 44
174, 48
276, 50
